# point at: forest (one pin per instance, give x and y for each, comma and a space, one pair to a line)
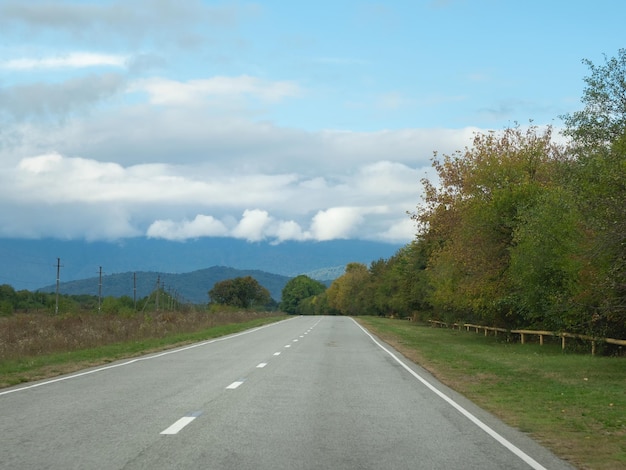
524, 228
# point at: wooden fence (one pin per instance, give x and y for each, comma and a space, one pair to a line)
524, 333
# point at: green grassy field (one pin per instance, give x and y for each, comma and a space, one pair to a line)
574, 404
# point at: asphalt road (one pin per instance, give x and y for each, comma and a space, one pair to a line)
306, 393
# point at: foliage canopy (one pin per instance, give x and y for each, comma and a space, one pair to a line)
297, 290
243, 292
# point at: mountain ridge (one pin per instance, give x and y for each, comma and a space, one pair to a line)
191, 287
31, 264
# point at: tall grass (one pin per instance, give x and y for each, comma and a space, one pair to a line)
34, 346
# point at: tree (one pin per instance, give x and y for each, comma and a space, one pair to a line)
546, 266
470, 220
603, 120
599, 182
315, 305
296, 290
349, 293
598, 179
243, 292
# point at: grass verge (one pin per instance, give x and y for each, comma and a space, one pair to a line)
15, 370
573, 404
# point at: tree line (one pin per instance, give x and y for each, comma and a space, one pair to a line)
523, 228
24, 301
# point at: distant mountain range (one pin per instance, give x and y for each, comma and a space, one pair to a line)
32, 264
190, 287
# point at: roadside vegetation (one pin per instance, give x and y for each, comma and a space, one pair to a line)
39, 345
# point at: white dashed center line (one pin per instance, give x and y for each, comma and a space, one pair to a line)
186, 420
181, 423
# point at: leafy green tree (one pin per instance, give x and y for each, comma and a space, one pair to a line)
297, 289
348, 294
315, 305
603, 120
388, 295
6, 308
471, 219
599, 182
546, 266
243, 292
7, 293
598, 179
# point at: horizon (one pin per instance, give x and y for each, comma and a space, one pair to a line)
32, 264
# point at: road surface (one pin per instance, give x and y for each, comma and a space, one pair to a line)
305, 393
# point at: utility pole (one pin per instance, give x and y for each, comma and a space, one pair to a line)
158, 286
56, 305
100, 291
135, 290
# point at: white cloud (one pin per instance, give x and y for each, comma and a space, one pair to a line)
385, 179
72, 60
164, 22
336, 222
201, 226
334, 188
47, 99
400, 231
172, 92
258, 225
289, 230
253, 225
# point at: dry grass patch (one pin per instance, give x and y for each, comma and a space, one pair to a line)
37, 346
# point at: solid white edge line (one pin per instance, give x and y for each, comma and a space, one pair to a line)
178, 425
146, 358
498, 437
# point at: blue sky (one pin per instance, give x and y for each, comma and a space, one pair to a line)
270, 120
